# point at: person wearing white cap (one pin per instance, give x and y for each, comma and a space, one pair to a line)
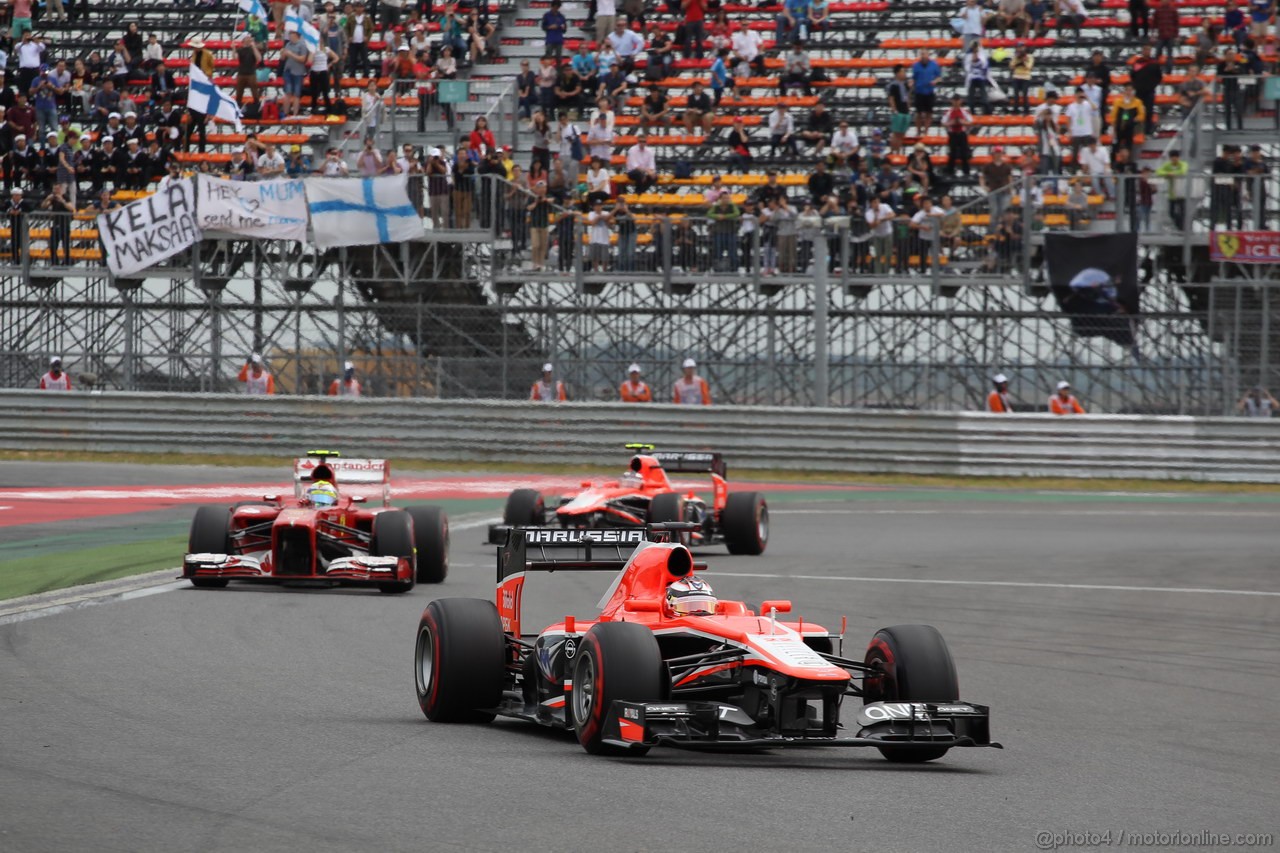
998, 399
55, 379
548, 389
634, 389
346, 385
256, 378
691, 389
1064, 402
16, 212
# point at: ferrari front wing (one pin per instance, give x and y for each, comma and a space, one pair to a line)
712, 725
354, 570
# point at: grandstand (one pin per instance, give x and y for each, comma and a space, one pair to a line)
903, 319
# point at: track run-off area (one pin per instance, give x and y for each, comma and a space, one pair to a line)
1127, 643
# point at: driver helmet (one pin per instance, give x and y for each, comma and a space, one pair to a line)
322, 493
690, 597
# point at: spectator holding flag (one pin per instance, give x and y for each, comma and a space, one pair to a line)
197, 99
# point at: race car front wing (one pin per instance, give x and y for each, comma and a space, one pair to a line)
346, 570
716, 725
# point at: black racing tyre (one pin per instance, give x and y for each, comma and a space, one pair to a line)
393, 537
615, 661
524, 507
210, 534
915, 665
669, 506
459, 660
431, 541
745, 523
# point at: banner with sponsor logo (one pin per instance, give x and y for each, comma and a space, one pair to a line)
266, 210
1245, 247
146, 232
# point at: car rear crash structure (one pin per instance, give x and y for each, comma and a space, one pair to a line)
636, 676
279, 540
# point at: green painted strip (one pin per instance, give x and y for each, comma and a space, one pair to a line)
41, 573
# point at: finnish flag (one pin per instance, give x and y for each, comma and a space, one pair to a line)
310, 35
362, 212
204, 97
255, 8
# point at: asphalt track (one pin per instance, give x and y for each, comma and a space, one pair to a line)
1129, 647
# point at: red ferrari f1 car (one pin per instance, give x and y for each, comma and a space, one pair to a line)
321, 535
643, 495
665, 663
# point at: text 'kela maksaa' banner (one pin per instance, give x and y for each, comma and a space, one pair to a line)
145, 232
264, 210
1094, 278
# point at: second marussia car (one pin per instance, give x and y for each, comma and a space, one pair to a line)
645, 495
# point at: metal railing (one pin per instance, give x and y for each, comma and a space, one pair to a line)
838, 440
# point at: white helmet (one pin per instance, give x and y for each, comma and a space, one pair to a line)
690, 597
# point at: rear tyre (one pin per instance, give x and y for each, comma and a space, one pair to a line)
914, 665
460, 661
745, 522
616, 661
393, 537
524, 507
210, 534
666, 507
431, 541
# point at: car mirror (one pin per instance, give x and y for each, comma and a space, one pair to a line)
358, 499
271, 498
642, 605
781, 605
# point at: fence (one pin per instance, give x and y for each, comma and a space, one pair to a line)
762, 438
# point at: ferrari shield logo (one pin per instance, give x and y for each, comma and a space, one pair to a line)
1228, 244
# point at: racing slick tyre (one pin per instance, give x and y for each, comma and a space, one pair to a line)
669, 506
393, 537
616, 661
460, 660
209, 535
431, 541
524, 507
745, 523
915, 665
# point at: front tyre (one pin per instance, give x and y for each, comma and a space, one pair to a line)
393, 537
210, 534
667, 507
745, 523
617, 661
524, 507
912, 664
431, 541
459, 661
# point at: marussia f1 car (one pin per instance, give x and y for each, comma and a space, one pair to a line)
644, 495
649, 671
339, 541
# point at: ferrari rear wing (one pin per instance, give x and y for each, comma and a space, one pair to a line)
328, 465
691, 461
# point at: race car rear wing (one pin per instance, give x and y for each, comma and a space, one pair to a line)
543, 549
691, 461
342, 472
556, 549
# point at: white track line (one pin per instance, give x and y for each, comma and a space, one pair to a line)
1027, 584
1110, 513
125, 589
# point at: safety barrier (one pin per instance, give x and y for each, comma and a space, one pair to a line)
837, 440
